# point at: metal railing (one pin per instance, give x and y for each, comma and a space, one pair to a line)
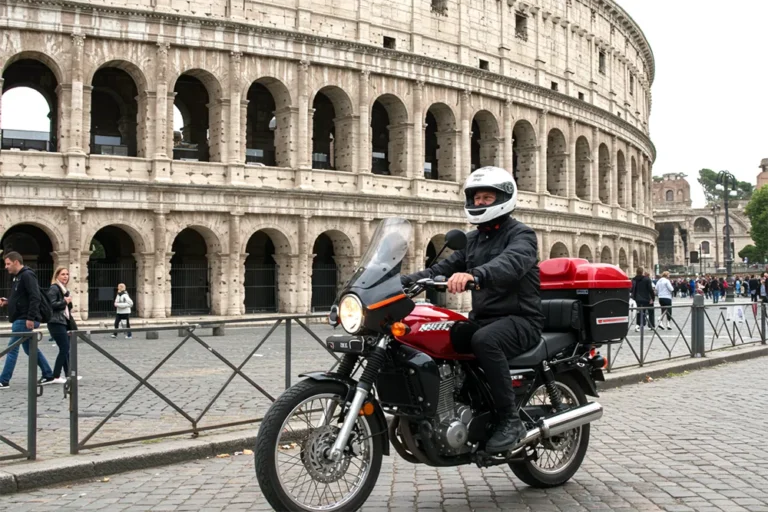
80, 338
30, 452
703, 329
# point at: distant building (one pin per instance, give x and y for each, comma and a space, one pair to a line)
762, 178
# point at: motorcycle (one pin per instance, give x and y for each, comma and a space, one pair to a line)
320, 445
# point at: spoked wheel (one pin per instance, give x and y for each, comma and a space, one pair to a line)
557, 458
292, 454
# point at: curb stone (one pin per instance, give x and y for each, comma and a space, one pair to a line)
31, 475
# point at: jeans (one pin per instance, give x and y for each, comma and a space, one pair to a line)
642, 314
120, 317
10, 358
59, 333
716, 296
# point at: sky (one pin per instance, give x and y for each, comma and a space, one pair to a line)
710, 97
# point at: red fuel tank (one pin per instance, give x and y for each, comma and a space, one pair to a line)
430, 331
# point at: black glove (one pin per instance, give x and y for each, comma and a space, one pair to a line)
406, 281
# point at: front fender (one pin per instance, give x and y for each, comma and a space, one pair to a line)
378, 412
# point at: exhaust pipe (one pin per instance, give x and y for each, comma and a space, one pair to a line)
563, 422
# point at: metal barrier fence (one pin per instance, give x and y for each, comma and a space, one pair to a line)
32, 338
79, 338
731, 323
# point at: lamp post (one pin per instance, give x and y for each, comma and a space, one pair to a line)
724, 178
715, 211
701, 257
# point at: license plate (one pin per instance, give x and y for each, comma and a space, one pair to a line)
345, 344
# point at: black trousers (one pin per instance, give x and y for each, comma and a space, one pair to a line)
666, 309
59, 334
496, 342
120, 317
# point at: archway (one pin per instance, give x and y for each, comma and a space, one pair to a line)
557, 181
524, 156
114, 113
623, 263
635, 260
485, 140
621, 164
111, 263
702, 225
389, 136
606, 256
190, 285
260, 126
36, 249
260, 275
332, 130
30, 107
583, 169
604, 173
192, 100
559, 250
635, 182
585, 253
325, 274
440, 143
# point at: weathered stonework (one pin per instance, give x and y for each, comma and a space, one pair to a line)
581, 153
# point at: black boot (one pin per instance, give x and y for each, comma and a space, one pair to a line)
508, 433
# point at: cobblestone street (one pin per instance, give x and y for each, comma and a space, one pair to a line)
688, 443
193, 376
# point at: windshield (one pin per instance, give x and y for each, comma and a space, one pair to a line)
385, 253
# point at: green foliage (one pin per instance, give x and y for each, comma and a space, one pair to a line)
708, 181
752, 253
757, 211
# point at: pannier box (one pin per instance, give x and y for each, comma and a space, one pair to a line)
602, 289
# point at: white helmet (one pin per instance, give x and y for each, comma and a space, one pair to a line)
498, 180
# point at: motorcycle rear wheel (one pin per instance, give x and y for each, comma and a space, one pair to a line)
289, 457
551, 469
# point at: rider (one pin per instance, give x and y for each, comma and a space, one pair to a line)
501, 258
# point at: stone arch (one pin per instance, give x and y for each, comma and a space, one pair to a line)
524, 149
389, 136
39, 72
262, 271
583, 169
130, 68
635, 182
47, 225
118, 110
585, 252
484, 140
559, 250
606, 255
112, 261
621, 172
268, 122
141, 242
333, 128
332, 264
635, 259
623, 263
197, 97
604, 173
702, 225
36, 247
557, 157
440, 143
195, 271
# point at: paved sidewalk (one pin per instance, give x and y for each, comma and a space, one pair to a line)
680, 444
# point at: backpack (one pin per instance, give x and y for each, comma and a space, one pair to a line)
46, 309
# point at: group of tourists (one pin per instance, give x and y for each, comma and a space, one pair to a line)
26, 307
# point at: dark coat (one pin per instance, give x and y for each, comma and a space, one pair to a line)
504, 261
58, 305
642, 289
24, 302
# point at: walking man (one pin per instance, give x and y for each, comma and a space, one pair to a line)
24, 315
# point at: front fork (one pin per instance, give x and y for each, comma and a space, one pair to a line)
375, 362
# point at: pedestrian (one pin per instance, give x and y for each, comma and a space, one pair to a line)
664, 291
737, 286
763, 290
24, 315
61, 321
754, 288
642, 293
123, 305
714, 287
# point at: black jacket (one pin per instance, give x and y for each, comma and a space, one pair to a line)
642, 289
754, 286
24, 302
504, 261
58, 305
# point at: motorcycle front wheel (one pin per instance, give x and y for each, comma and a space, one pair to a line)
294, 443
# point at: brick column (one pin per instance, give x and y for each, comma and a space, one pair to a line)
304, 274
508, 134
541, 168
145, 269
417, 162
234, 137
465, 126
161, 272
614, 175
304, 145
235, 292
594, 168
363, 131
78, 283
571, 174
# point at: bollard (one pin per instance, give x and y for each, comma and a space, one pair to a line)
697, 327
219, 330
182, 332
763, 334
153, 335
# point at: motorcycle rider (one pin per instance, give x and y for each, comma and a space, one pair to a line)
501, 257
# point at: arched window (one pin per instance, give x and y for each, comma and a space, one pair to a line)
670, 195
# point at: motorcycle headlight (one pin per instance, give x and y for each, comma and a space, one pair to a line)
351, 314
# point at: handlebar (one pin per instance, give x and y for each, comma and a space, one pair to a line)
439, 282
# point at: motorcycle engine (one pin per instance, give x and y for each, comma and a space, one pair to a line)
452, 418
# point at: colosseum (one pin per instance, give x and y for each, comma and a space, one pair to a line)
301, 124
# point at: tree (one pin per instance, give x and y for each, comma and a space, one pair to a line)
752, 254
708, 181
757, 211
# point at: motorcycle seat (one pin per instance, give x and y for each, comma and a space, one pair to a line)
551, 343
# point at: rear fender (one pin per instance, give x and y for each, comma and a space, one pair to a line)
351, 385
581, 374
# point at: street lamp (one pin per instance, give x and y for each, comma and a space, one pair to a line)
723, 179
715, 211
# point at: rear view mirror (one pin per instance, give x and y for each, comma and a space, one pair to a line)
455, 240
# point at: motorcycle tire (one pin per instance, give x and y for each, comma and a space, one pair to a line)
531, 474
265, 454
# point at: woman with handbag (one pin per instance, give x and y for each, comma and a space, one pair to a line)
61, 321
